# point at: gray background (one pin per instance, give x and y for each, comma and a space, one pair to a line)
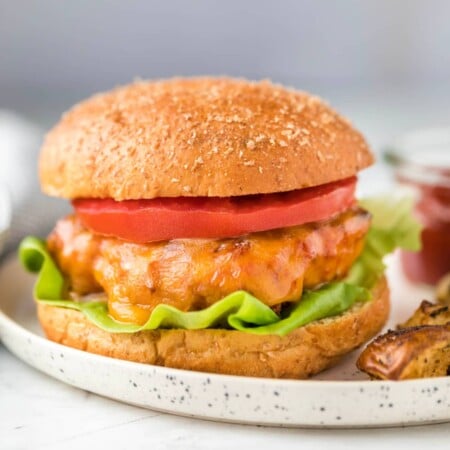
54, 52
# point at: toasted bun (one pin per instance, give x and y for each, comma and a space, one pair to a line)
198, 137
302, 353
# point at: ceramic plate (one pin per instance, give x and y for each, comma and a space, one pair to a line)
5, 215
340, 397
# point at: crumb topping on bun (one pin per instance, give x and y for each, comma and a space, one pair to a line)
215, 137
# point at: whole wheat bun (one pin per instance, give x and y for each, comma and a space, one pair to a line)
302, 353
198, 137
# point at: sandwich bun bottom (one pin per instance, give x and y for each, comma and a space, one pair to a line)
300, 354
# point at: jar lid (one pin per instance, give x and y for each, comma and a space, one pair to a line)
422, 156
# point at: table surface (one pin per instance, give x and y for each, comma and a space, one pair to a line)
39, 412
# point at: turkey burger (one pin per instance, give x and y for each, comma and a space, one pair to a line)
214, 228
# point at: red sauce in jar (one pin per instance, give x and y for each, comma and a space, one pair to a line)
433, 260
428, 173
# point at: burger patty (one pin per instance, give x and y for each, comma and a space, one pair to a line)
191, 274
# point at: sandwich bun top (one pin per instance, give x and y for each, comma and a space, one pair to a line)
215, 137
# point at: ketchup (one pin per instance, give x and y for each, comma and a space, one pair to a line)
423, 165
433, 261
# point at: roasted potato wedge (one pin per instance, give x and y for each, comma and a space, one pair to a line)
428, 314
415, 352
419, 348
443, 290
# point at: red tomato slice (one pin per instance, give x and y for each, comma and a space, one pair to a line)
162, 219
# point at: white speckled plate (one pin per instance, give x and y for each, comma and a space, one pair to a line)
5, 215
340, 397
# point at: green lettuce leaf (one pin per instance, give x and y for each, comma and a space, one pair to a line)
392, 227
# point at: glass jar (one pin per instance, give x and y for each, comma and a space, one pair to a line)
422, 166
